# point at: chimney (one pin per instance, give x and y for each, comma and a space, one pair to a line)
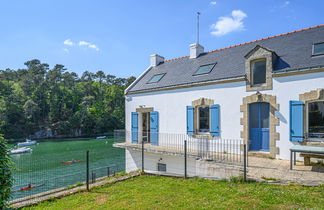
196, 50
156, 59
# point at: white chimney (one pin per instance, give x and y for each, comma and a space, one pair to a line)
195, 50
156, 59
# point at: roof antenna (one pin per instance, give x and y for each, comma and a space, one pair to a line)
198, 13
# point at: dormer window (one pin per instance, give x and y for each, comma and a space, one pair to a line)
259, 64
259, 70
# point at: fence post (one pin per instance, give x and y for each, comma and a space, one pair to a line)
185, 159
108, 171
244, 158
87, 172
142, 156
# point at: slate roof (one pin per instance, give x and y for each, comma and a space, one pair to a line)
294, 51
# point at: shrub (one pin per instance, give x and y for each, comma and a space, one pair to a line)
5, 174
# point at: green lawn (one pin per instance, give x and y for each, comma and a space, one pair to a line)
155, 192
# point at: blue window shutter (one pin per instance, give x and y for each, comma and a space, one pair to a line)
190, 120
296, 121
214, 120
154, 124
134, 127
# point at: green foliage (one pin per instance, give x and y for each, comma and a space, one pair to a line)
39, 97
5, 174
269, 178
237, 179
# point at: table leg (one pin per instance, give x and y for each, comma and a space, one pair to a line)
291, 160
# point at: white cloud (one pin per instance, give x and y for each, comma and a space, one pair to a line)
213, 3
89, 45
68, 42
93, 46
80, 43
84, 43
226, 24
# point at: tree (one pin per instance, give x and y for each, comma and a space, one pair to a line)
5, 174
38, 97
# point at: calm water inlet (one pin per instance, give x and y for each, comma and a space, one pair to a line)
43, 169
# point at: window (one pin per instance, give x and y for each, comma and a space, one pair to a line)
203, 119
318, 48
162, 167
205, 69
258, 72
156, 78
316, 120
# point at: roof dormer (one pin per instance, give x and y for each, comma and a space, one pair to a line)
259, 63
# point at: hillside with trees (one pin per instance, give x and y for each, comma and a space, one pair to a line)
43, 99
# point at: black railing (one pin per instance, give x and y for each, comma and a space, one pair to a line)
199, 146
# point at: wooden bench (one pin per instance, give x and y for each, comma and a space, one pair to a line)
307, 152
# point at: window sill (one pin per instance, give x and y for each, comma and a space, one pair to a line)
264, 86
202, 135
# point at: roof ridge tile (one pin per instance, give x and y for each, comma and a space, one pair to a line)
270, 37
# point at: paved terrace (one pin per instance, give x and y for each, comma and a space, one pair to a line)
259, 168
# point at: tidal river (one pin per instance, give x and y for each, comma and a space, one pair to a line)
43, 168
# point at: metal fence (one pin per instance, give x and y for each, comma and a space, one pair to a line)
39, 172
183, 152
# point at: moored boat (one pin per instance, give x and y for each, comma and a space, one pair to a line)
72, 161
101, 137
28, 187
28, 142
20, 150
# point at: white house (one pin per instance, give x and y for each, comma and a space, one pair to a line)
269, 93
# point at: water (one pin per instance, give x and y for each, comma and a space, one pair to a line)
43, 168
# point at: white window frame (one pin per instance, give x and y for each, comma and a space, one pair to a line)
198, 122
307, 122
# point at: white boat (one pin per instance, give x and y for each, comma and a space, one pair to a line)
20, 150
28, 142
101, 137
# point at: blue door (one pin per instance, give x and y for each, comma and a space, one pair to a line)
259, 126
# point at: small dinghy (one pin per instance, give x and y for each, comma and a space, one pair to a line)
72, 161
101, 137
20, 150
28, 187
28, 142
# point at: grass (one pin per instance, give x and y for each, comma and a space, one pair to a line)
156, 192
269, 178
74, 186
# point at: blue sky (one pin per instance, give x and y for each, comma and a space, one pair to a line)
118, 37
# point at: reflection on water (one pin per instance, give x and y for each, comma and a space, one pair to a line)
43, 169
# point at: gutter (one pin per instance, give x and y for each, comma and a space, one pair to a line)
278, 73
312, 68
